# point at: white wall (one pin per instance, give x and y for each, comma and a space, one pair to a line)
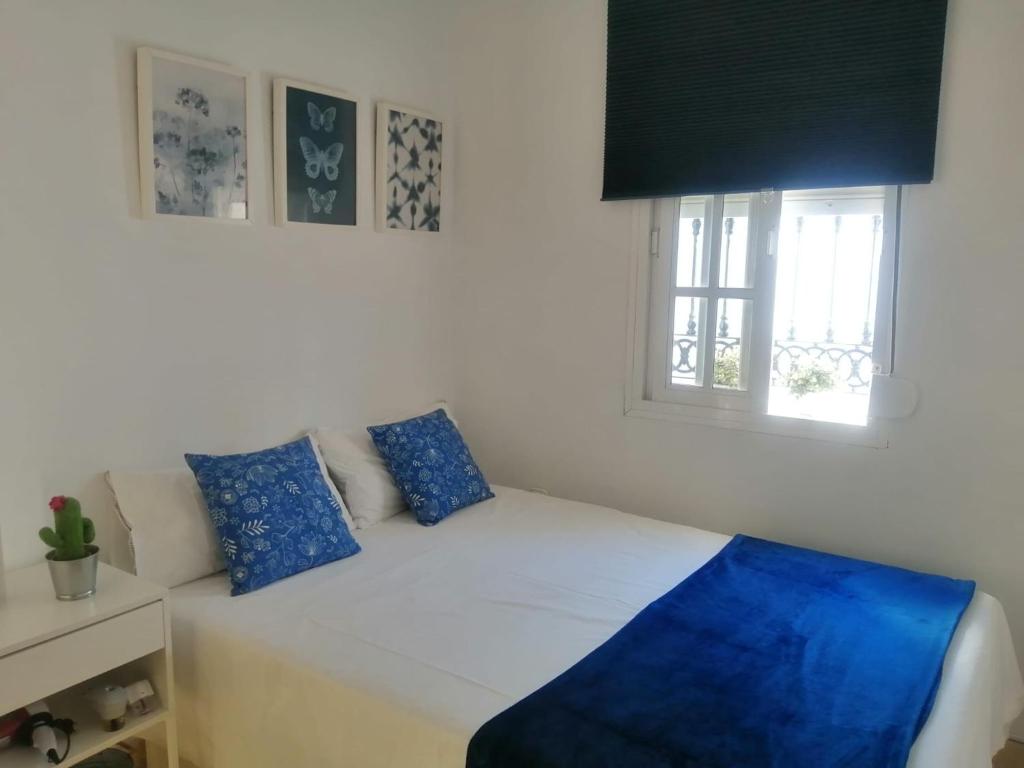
543, 267
125, 342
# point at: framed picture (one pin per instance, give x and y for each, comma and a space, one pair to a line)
194, 119
315, 154
409, 144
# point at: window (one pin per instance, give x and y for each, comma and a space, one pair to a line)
769, 311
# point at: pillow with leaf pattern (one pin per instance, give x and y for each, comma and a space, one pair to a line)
431, 465
275, 512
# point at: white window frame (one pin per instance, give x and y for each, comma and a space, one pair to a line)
649, 391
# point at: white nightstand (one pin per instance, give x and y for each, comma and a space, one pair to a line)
56, 650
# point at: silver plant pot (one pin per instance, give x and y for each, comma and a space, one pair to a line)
74, 579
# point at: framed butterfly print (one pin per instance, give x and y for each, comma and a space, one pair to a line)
409, 145
315, 155
194, 119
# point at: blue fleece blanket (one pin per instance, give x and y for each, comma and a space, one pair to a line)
768, 655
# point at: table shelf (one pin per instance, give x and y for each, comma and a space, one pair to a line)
58, 652
89, 737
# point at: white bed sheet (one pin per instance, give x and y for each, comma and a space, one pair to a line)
394, 658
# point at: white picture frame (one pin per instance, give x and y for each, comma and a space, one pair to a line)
164, 189
282, 147
407, 220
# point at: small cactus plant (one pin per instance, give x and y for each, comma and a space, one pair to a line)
70, 532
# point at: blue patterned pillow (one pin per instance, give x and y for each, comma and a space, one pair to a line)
431, 465
274, 513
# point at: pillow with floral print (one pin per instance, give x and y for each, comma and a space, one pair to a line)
274, 512
431, 465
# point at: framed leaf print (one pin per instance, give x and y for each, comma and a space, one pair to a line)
409, 145
315, 154
194, 119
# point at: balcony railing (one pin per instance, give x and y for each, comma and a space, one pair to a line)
850, 363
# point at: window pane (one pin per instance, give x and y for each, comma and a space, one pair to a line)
733, 271
690, 270
689, 322
830, 242
731, 339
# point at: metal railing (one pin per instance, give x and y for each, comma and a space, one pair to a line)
851, 363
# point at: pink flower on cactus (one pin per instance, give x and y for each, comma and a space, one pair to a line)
57, 503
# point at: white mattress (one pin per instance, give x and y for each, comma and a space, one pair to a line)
394, 658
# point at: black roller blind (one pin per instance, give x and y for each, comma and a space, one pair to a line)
707, 96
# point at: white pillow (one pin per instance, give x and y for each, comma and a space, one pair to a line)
170, 533
172, 538
361, 474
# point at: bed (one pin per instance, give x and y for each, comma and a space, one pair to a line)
396, 657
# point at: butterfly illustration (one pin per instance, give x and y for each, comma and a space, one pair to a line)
321, 120
324, 201
317, 158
